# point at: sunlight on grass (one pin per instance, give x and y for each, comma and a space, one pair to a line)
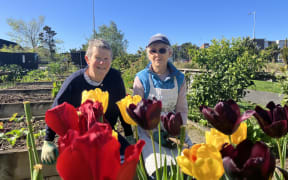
266, 86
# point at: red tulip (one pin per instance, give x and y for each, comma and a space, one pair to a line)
90, 112
64, 117
96, 156
274, 121
172, 123
226, 116
146, 113
248, 161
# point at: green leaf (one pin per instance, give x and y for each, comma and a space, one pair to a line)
13, 117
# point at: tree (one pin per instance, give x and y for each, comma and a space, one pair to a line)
26, 33
284, 53
229, 69
273, 51
114, 37
47, 40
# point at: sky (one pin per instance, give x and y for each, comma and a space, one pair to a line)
181, 21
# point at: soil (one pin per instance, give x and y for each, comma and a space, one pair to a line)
21, 141
19, 98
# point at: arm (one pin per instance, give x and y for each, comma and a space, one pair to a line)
127, 128
138, 88
181, 105
62, 96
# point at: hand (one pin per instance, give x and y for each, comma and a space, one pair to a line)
130, 139
49, 153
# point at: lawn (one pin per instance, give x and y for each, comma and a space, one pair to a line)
266, 86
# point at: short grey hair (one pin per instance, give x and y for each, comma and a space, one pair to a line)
98, 43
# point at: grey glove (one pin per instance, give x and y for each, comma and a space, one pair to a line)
130, 139
49, 153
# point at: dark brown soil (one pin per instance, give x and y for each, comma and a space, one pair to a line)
21, 141
19, 98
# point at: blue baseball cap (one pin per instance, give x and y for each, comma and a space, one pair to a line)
158, 38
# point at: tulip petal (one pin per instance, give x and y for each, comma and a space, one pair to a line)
222, 118
185, 165
276, 129
71, 165
234, 106
132, 154
246, 115
264, 118
231, 168
61, 118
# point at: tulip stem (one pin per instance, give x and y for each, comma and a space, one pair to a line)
159, 136
153, 145
230, 141
135, 128
282, 161
31, 142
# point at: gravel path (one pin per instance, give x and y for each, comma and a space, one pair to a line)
261, 97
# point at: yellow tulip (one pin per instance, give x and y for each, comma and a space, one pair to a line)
202, 161
96, 95
217, 139
124, 103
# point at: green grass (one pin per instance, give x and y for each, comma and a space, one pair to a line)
266, 86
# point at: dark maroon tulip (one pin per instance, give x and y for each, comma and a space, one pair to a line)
248, 161
146, 114
226, 116
172, 123
273, 121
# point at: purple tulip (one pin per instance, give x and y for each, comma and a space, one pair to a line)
274, 121
226, 116
248, 161
172, 123
146, 113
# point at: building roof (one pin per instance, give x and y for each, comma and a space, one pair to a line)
7, 43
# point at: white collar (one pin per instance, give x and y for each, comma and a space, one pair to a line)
90, 81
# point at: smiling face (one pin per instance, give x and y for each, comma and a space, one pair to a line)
158, 54
99, 63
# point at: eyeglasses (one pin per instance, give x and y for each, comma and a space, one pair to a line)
160, 51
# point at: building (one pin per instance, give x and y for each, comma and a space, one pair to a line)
281, 43
6, 43
204, 46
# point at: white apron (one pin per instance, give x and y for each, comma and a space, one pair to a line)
169, 100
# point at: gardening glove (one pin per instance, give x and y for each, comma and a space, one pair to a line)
49, 153
130, 139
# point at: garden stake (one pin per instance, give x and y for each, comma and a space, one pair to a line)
38, 172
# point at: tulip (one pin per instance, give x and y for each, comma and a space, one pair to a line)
89, 113
274, 121
217, 139
124, 103
146, 113
248, 161
96, 95
203, 161
172, 123
226, 116
65, 117
96, 155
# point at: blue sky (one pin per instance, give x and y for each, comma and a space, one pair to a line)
182, 21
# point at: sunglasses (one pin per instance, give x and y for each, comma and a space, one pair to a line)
160, 51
